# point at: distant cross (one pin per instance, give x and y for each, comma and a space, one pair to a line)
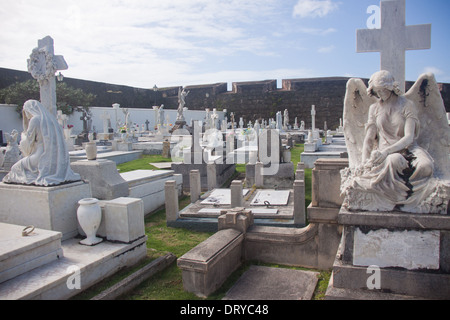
394, 38
43, 65
146, 125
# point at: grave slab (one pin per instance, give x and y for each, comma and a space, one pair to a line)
20, 254
266, 283
221, 197
274, 197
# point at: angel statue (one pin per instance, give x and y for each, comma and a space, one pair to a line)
398, 146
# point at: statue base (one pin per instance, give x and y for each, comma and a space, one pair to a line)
179, 124
407, 255
50, 208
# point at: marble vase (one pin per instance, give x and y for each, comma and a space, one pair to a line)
91, 151
89, 216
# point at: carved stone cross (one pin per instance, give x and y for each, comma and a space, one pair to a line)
43, 65
394, 38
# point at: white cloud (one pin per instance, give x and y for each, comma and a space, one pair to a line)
327, 49
434, 70
317, 31
314, 8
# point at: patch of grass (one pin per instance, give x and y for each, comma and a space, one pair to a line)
143, 163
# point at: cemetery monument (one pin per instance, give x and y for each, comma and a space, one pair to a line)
401, 162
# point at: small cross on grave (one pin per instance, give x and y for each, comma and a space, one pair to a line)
146, 125
43, 65
394, 38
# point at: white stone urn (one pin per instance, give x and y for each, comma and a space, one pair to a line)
91, 150
89, 216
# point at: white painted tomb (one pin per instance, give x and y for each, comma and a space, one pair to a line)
148, 185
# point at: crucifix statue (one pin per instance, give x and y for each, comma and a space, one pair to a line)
43, 65
394, 38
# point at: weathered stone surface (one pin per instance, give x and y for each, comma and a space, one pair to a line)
265, 283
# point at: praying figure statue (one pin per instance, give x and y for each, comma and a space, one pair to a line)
45, 159
398, 146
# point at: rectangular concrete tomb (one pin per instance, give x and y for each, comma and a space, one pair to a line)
206, 267
50, 208
148, 185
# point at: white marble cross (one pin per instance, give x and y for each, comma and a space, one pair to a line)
43, 65
394, 38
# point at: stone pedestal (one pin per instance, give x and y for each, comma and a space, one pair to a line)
50, 208
407, 255
124, 219
124, 146
106, 182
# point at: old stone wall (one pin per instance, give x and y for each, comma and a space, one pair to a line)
249, 100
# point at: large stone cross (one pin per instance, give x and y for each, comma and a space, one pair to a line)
43, 65
394, 38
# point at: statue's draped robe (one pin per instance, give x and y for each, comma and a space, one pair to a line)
46, 159
404, 178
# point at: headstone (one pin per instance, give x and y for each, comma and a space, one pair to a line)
195, 185
171, 200
237, 199
394, 38
299, 202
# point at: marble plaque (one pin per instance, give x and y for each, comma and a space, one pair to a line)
406, 249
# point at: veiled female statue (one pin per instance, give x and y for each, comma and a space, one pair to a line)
398, 146
45, 159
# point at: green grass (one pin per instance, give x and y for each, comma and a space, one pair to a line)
168, 284
143, 163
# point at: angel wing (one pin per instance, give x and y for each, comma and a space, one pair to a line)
434, 129
356, 112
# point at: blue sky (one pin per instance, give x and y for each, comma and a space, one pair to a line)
187, 42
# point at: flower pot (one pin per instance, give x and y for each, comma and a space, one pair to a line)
89, 216
91, 151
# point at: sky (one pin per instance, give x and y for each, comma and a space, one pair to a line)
143, 43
